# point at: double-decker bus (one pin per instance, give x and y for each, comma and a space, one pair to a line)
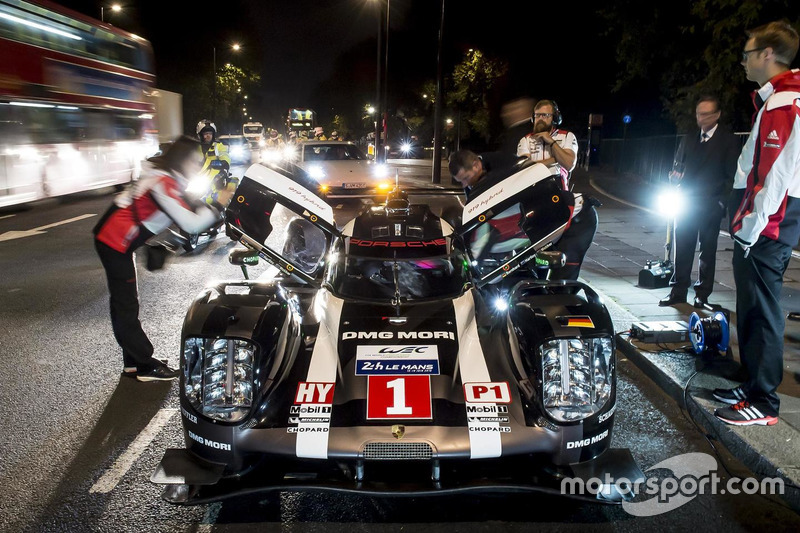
301, 120
74, 113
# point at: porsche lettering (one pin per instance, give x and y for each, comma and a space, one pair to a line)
397, 244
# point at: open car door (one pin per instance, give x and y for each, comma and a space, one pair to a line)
504, 225
278, 214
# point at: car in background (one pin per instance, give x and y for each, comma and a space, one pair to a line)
342, 169
238, 149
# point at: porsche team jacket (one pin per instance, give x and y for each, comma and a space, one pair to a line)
766, 187
151, 205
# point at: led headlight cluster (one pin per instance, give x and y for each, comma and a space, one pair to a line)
576, 376
218, 377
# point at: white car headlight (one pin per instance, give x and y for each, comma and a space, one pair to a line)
576, 376
237, 151
380, 171
316, 172
218, 377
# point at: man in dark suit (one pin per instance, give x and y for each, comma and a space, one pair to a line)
704, 167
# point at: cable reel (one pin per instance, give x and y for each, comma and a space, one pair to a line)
711, 334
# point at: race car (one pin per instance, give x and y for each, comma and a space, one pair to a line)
388, 358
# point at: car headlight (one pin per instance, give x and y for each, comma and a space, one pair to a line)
576, 376
237, 151
380, 171
218, 377
316, 172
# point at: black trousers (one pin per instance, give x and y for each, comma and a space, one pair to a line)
759, 317
701, 222
137, 350
575, 242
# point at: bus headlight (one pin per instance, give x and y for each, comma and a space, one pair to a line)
218, 377
576, 376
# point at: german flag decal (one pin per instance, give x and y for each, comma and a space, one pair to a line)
577, 321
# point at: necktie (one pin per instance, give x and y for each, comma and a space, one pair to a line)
703, 137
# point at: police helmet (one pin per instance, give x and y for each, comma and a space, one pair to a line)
204, 126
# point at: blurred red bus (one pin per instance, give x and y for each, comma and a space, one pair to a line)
74, 113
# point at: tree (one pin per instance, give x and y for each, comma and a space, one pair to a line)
689, 48
233, 83
472, 81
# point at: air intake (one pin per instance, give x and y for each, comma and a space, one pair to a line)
398, 451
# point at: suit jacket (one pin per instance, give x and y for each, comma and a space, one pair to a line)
709, 167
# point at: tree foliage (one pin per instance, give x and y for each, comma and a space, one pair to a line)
472, 80
689, 48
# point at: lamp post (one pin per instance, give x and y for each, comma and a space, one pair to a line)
437, 113
116, 8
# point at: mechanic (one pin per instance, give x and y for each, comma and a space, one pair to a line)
765, 224
703, 170
468, 169
154, 202
547, 144
213, 150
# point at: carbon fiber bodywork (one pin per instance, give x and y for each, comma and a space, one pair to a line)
408, 396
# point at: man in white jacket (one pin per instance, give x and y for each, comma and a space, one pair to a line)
765, 223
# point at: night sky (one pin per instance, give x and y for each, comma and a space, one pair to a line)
319, 53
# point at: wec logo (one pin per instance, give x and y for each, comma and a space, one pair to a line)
404, 349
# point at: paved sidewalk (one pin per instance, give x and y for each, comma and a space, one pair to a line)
629, 236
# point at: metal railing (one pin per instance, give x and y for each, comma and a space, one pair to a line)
648, 158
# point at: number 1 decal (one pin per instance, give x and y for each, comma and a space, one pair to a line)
399, 406
391, 397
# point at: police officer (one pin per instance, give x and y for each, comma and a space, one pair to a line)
213, 150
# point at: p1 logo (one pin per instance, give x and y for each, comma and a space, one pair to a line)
489, 392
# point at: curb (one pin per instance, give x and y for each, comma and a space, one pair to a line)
702, 412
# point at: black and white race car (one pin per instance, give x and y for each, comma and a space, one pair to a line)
387, 358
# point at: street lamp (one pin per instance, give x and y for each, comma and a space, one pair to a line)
381, 72
116, 8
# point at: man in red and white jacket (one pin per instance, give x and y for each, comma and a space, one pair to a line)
154, 202
548, 144
765, 223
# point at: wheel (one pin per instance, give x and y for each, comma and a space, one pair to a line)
190, 241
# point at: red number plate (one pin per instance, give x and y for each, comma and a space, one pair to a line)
392, 397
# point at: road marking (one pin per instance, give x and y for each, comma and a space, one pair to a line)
11, 235
112, 477
7, 216
795, 253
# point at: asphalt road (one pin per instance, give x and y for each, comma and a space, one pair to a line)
79, 443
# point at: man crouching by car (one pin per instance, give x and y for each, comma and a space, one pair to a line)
151, 205
468, 169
